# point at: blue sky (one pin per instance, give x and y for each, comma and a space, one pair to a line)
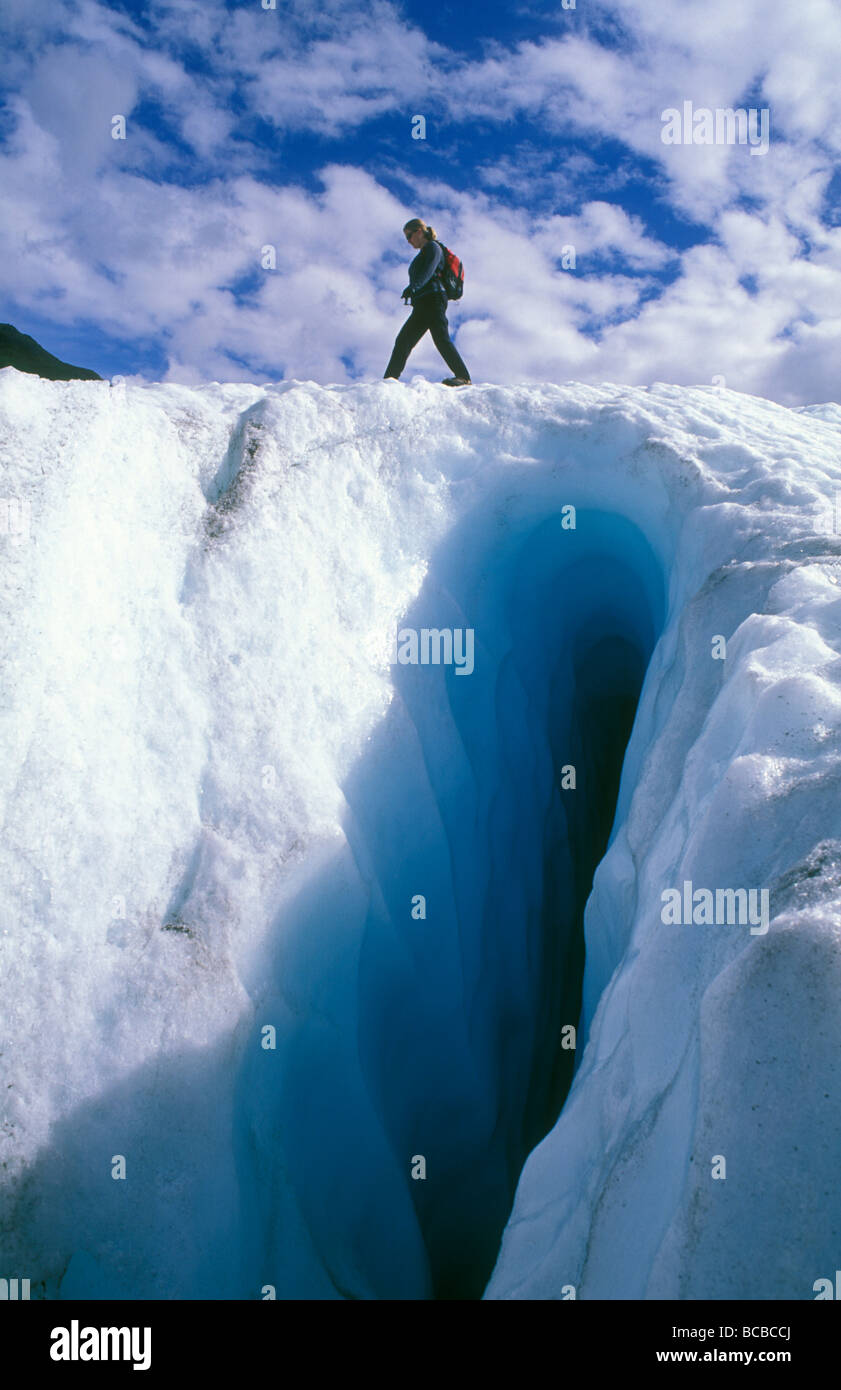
291, 128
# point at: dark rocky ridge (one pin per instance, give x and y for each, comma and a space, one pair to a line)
19, 350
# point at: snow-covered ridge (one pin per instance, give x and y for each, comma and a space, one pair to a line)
220, 800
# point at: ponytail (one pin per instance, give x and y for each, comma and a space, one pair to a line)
418, 224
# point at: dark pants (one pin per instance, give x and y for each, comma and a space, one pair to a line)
430, 312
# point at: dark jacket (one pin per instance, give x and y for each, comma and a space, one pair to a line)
423, 277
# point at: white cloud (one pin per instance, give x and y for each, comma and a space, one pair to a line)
93, 231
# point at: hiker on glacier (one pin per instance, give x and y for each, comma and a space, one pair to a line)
430, 274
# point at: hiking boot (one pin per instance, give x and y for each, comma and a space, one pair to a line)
456, 381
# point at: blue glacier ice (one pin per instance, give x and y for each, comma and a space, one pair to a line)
287, 922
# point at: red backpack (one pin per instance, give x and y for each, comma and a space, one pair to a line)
451, 273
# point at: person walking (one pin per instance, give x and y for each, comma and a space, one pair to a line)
429, 307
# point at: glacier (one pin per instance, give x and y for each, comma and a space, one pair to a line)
286, 920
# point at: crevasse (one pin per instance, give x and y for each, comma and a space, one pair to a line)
221, 801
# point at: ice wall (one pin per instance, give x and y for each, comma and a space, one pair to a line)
221, 799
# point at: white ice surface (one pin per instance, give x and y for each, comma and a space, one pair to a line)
218, 800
